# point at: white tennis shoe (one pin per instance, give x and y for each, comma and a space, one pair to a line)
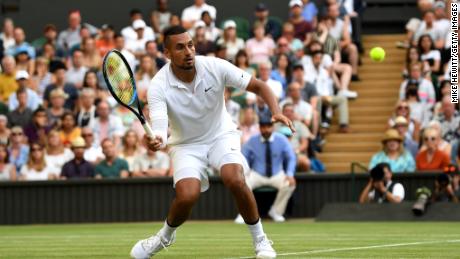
146, 248
264, 249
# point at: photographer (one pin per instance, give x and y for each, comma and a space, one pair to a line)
444, 190
381, 188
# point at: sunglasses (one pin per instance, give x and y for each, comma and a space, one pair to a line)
403, 107
16, 134
429, 138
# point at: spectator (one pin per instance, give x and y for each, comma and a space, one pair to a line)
301, 26
86, 114
41, 77
91, 55
394, 154
131, 148
23, 60
49, 36
8, 170
59, 70
93, 151
261, 47
428, 26
272, 27
401, 125
402, 108
230, 40
33, 100
76, 72
112, 166
151, 49
151, 164
282, 70
248, 124
242, 62
69, 130
106, 42
8, 84
20, 44
381, 188
444, 189
38, 128
56, 154
444, 90
159, 18
193, 13
36, 167
56, 108
266, 154
18, 152
84, 35
137, 45
22, 115
443, 145
129, 32
310, 12
419, 112
71, 36
412, 57
7, 35
295, 45
425, 87
431, 158
303, 111
203, 46
429, 54
91, 80
283, 48
107, 125
120, 46
300, 140
265, 69
50, 53
212, 33
449, 120
4, 130
78, 167
147, 69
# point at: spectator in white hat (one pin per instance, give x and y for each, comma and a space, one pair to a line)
230, 40
33, 100
129, 32
301, 26
137, 45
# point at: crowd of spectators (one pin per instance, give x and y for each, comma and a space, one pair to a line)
58, 121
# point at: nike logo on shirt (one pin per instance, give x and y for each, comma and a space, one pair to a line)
206, 90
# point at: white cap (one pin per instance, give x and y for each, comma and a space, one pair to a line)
139, 24
22, 74
293, 3
199, 23
229, 24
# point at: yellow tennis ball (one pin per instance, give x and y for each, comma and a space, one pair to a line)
377, 54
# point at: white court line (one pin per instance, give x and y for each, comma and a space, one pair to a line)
357, 248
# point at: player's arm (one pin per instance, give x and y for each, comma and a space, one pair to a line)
263, 90
158, 117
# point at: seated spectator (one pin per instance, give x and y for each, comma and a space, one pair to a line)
443, 145
233, 108
449, 120
129, 32
20, 44
7, 33
42, 77
49, 36
91, 55
76, 72
112, 166
419, 112
131, 148
444, 89
429, 54
267, 153
107, 125
230, 40
283, 48
402, 108
300, 140
56, 108
71, 36
36, 167
23, 60
59, 70
159, 18
91, 80
8, 170
86, 114
18, 152
427, 26
248, 124
22, 115
242, 62
203, 46
401, 125
295, 45
211, 31
105, 43
192, 14
56, 154
151, 164
413, 57
303, 111
121, 46
8, 83
261, 47
33, 100
69, 130
137, 44
151, 49
147, 69
4, 130
272, 27
394, 154
93, 151
301, 26
264, 75
78, 167
282, 70
431, 159
381, 188
444, 189
38, 128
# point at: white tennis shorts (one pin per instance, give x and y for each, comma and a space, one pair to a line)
191, 160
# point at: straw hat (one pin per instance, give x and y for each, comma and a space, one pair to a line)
78, 142
391, 134
400, 120
58, 92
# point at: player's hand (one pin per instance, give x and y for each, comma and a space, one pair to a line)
291, 180
153, 143
283, 119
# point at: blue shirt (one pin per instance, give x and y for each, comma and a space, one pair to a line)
309, 11
275, 75
22, 157
282, 154
404, 163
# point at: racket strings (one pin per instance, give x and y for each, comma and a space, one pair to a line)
120, 79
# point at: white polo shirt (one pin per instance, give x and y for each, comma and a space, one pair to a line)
196, 116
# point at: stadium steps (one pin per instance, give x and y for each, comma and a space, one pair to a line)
378, 92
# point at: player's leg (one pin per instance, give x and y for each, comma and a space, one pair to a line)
187, 194
253, 181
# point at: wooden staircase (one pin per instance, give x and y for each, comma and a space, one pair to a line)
378, 92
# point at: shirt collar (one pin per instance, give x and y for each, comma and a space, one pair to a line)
174, 81
270, 139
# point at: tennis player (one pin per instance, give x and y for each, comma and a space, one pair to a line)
189, 92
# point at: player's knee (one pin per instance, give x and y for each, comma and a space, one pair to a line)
235, 183
187, 198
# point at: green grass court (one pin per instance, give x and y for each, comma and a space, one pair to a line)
223, 239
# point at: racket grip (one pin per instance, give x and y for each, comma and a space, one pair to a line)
147, 129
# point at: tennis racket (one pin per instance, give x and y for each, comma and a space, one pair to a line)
121, 84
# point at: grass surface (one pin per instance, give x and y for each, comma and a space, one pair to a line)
223, 239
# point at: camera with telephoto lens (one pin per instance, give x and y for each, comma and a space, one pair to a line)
423, 195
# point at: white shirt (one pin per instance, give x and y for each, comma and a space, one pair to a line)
433, 54
136, 45
398, 191
145, 162
34, 175
93, 153
193, 13
302, 108
58, 161
321, 79
326, 61
276, 87
130, 34
130, 58
196, 115
76, 75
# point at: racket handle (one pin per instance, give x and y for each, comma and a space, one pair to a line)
147, 129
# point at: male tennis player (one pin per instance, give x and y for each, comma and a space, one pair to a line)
189, 91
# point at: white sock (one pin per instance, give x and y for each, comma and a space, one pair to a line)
166, 231
256, 230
